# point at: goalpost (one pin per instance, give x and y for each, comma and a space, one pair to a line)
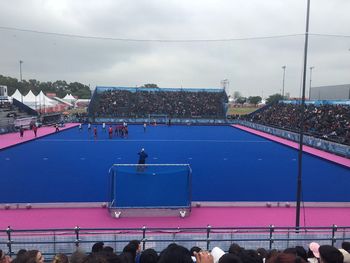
150, 190
154, 119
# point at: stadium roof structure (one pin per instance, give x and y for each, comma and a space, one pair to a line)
100, 89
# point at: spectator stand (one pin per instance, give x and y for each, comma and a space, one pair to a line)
136, 103
326, 123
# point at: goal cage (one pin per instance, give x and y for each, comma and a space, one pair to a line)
150, 190
154, 119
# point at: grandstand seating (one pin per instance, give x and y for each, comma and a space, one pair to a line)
177, 103
328, 121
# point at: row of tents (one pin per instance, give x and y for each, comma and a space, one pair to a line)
41, 102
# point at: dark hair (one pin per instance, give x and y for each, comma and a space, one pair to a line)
301, 252
346, 246
97, 247
230, 258
195, 249
235, 249
174, 254
77, 256
126, 257
262, 252
290, 250
330, 254
250, 256
131, 248
60, 258
149, 256
285, 258
108, 249
94, 258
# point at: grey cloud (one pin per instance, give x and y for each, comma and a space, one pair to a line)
253, 67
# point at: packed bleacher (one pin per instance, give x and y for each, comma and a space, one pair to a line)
329, 122
140, 103
174, 253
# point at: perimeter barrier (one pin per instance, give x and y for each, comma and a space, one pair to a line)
53, 241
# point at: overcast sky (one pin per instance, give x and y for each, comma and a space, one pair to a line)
253, 67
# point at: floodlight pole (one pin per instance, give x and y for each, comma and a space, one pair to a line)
284, 75
302, 113
311, 68
20, 70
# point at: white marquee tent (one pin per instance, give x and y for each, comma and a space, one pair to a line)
17, 95
69, 98
44, 101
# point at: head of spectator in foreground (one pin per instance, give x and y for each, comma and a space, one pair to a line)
314, 250
250, 256
149, 256
235, 249
95, 258
346, 255
329, 254
131, 248
346, 246
301, 252
285, 258
97, 247
34, 256
175, 254
262, 252
137, 243
77, 256
60, 258
230, 258
195, 249
217, 254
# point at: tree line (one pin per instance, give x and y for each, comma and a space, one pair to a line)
256, 99
60, 87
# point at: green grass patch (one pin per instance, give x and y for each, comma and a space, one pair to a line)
241, 111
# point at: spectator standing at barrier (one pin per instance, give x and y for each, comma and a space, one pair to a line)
21, 131
142, 160
35, 130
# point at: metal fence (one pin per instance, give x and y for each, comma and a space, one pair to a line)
53, 241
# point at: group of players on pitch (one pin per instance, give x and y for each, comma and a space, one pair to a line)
119, 130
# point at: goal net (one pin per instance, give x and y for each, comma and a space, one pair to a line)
150, 189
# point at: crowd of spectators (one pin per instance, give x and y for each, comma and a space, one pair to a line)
174, 253
177, 104
330, 122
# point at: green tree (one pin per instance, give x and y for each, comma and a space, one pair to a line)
254, 100
60, 87
274, 98
79, 90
